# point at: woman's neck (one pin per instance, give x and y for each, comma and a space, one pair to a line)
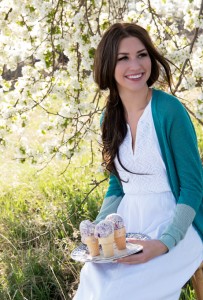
136, 102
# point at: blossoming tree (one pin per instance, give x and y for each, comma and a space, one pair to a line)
47, 49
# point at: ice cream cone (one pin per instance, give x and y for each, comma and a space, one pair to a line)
120, 238
107, 245
92, 245
87, 236
119, 230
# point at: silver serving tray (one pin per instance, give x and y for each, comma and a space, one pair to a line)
81, 253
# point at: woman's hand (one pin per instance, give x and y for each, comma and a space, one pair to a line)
151, 249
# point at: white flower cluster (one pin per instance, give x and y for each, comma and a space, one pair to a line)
47, 51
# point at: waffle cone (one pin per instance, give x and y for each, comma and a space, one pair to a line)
107, 245
120, 238
93, 246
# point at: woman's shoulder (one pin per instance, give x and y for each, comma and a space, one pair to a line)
165, 98
168, 110
167, 103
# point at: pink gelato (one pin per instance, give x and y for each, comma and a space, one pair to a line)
117, 220
103, 229
86, 229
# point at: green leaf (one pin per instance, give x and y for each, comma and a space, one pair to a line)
55, 30
48, 58
91, 52
31, 8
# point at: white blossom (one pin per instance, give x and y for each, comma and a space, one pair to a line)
54, 42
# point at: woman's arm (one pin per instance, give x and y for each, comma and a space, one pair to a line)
112, 198
183, 146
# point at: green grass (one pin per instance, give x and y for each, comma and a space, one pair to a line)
188, 293
39, 221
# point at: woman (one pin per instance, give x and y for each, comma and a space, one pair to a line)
156, 176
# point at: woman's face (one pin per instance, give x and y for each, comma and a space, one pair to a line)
133, 67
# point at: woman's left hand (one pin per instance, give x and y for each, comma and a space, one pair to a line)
151, 249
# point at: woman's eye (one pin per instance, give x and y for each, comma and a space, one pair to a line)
143, 55
122, 58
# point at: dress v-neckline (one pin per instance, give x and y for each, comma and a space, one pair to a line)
133, 147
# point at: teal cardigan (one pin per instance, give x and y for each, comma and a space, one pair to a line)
179, 148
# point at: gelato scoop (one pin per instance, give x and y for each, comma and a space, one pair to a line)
87, 228
117, 220
103, 229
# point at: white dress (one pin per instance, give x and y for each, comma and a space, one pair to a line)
147, 207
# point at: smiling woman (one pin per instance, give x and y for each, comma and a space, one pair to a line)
156, 177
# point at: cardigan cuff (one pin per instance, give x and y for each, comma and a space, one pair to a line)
168, 241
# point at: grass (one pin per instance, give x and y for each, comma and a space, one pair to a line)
188, 293
39, 229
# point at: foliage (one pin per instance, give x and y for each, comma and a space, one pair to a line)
47, 50
188, 293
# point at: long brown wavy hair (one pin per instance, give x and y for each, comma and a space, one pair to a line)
114, 126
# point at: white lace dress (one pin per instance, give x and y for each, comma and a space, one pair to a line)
147, 207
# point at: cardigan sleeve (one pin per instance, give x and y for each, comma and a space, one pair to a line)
112, 198
183, 147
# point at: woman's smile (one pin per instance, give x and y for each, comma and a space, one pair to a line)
134, 76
